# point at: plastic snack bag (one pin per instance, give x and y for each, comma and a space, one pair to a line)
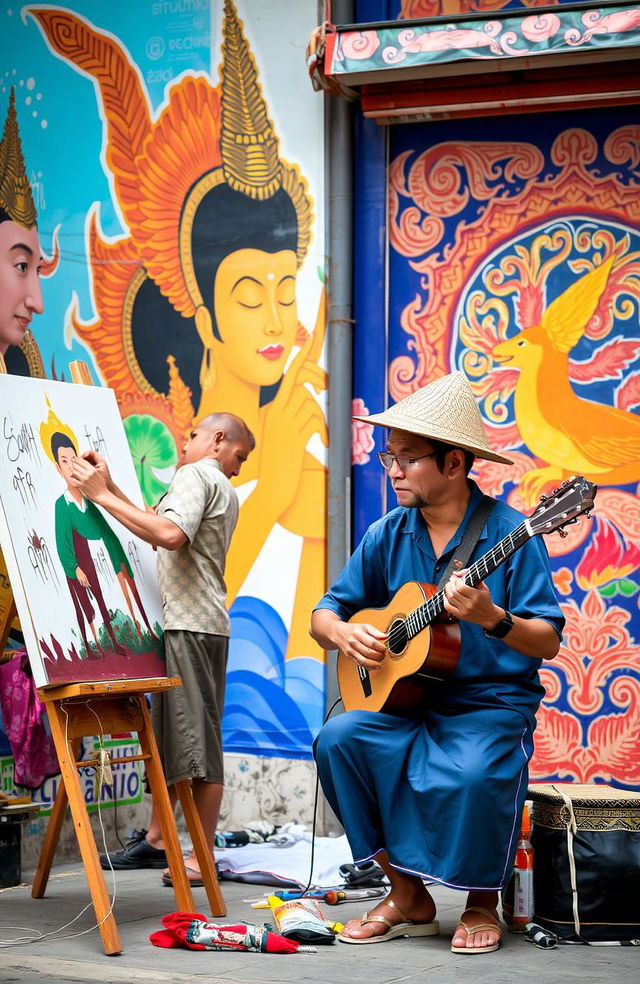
301, 920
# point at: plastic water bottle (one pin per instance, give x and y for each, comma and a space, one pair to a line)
523, 875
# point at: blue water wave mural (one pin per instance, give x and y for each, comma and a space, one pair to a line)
274, 707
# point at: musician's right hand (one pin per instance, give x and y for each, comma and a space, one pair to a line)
363, 643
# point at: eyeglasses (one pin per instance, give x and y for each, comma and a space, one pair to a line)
387, 459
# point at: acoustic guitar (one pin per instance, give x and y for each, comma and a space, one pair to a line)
423, 642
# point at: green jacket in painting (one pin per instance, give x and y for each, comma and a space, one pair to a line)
90, 524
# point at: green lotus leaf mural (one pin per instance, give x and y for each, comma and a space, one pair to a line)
152, 449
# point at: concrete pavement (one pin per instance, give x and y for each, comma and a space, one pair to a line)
141, 901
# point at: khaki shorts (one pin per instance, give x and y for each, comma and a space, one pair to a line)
187, 719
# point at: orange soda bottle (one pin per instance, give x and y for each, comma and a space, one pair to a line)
523, 875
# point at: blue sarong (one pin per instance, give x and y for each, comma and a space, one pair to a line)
443, 796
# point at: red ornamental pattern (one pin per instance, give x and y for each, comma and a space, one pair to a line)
598, 658
589, 722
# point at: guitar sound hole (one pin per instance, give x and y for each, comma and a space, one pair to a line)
398, 638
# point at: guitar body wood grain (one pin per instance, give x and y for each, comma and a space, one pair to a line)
401, 681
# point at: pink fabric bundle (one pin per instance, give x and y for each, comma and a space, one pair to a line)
191, 930
23, 713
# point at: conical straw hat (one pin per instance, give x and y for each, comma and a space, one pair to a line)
444, 410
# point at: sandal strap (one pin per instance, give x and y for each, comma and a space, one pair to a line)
394, 905
492, 927
366, 918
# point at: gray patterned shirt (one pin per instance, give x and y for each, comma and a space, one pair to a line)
203, 503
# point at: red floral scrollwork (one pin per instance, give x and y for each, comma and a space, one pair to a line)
598, 660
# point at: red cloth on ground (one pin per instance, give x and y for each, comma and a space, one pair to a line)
192, 931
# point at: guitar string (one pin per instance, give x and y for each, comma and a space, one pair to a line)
420, 617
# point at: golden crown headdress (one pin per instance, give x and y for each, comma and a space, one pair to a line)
53, 425
250, 161
15, 191
248, 147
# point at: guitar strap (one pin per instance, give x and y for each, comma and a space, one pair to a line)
471, 536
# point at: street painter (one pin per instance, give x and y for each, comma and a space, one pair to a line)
191, 528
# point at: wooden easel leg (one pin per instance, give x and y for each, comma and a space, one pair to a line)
84, 833
51, 838
166, 818
201, 848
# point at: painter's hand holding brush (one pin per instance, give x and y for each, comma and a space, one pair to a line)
91, 482
99, 462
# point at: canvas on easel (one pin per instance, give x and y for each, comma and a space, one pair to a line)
84, 586
69, 565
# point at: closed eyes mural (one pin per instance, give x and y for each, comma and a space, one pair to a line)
191, 280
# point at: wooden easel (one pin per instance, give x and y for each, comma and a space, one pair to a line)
78, 710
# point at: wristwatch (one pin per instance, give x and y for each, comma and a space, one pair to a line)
500, 630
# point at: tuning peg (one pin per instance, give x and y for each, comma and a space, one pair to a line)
587, 514
555, 491
563, 533
543, 498
564, 485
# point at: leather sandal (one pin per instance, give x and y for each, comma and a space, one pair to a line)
404, 928
492, 926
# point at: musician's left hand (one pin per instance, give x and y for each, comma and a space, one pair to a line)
470, 604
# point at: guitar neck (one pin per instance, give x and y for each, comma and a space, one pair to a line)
418, 619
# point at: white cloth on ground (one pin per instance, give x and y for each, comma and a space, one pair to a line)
288, 834
290, 862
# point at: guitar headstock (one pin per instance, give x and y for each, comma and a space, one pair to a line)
563, 506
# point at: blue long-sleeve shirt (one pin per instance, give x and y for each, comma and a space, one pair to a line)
397, 549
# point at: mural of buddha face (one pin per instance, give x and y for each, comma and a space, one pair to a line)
254, 298
196, 306
244, 259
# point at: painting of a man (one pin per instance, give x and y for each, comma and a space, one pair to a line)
77, 521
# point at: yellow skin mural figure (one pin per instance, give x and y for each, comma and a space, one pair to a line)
170, 172
256, 313
575, 436
20, 291
255, 293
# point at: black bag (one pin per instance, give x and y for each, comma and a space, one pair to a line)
586, 878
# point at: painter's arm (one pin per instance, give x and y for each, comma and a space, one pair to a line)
154, 529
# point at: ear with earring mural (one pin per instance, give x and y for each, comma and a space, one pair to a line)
205, 331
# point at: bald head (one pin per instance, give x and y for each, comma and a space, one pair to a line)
234, 427
223, 437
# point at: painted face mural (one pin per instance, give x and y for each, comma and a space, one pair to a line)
21, 262
195, 297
